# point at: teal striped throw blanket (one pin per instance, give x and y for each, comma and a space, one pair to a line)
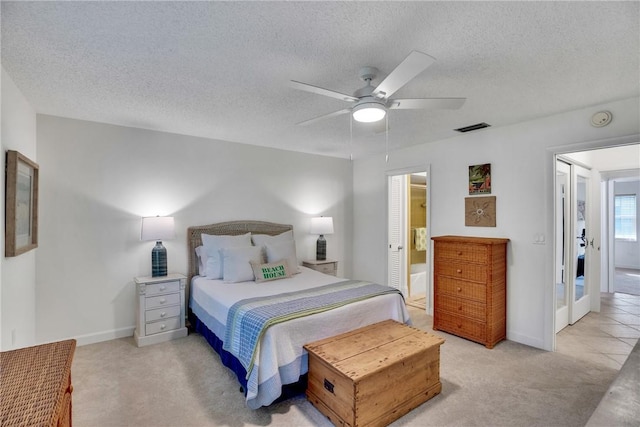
248, 319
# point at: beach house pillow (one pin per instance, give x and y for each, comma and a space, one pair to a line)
286, 249
271, 271
213, 244
237, 263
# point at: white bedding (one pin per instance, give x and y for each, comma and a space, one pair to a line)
280, 358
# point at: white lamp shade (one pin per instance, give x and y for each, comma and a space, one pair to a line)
369, 112
157, 228
321, 225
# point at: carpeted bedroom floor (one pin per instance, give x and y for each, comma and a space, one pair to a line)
183, 383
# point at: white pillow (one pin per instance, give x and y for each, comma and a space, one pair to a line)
237, 263
212, 245
201, 255
283, 250
261, 239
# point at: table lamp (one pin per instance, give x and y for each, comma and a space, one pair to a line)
158, 228
321, 225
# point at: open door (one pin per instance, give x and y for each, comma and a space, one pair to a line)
397, 213
574, 244
580, 295
562, 242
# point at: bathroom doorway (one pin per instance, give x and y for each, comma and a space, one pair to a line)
409, 237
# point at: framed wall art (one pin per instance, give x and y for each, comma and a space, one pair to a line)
480, 211
480, 179
21, 205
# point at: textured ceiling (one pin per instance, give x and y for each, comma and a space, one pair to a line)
221, 69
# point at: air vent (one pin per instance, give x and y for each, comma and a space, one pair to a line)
473, 127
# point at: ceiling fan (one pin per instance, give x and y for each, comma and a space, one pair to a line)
372, 103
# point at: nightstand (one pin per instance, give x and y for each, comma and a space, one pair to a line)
161, 309
326, 266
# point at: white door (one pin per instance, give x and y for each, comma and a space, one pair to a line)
562, 240
580, 295
574, 244
397, 262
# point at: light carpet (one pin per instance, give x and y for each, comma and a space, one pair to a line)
183, 383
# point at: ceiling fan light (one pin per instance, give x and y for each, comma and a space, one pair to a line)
369, 112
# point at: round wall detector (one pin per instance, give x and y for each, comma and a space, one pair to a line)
601, 118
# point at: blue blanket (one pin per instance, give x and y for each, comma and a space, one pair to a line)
248, 319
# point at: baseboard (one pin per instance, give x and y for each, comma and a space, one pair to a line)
104, 336
525, 339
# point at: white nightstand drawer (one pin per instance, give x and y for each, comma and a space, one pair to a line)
162, 300
162, 326
162, 288
162, 313
327, 268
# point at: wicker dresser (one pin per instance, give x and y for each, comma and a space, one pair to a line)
470, 287
36, 385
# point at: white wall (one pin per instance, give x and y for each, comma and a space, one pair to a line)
18, 283
627, 253
98, 180
521, 158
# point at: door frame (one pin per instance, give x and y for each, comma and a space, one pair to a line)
406, 171
549, 320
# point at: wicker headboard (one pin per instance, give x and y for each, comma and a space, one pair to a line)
230, 228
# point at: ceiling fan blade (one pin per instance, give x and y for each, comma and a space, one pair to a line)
326, 116
426, 104
412, 65
322, 91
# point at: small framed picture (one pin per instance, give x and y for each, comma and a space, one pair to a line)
480, 179
480, 211
21, 205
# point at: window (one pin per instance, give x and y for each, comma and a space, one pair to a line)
625, 217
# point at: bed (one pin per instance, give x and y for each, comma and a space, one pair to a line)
276, 366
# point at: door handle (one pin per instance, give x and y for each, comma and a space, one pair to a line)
400, 248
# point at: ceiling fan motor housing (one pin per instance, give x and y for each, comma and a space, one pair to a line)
368, 73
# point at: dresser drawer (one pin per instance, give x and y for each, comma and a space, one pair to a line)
162, 313
462, 326
162, 300
462, 307
162, 326
462, 252
461, 288
460, 270
162, 288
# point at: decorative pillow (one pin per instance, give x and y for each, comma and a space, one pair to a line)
201, 255
213, 244
286, 249
262, 239
237, 263
271, 271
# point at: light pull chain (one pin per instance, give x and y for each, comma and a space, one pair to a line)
386, 137
351, 137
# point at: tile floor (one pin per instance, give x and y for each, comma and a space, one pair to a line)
606, 337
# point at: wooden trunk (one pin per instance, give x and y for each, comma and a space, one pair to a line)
470, 288
373, 375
